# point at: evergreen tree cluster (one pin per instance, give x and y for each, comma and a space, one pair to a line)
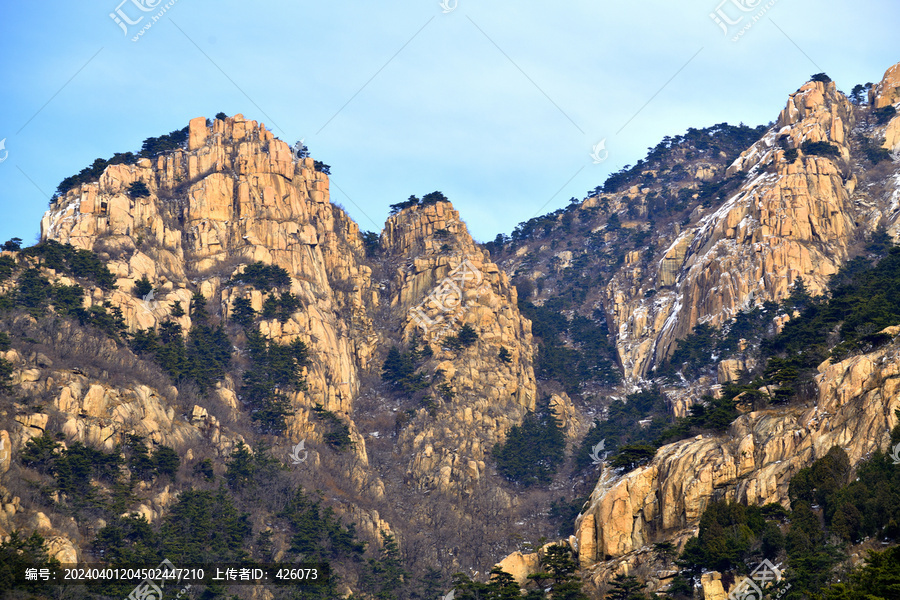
65, 258
338, 434
829, 511
622, 425
533, 451
138, 189
34, 293
572, 351
464, 338
203, 357
427, 200
6, 367
202, 526
280, 306
820, 149
262, 276
730, 139
273, 373
884, 114
7, 267
76, 468
142, 287
150, 148
556, 579
19, 553
400, 369
634, 429
695, 352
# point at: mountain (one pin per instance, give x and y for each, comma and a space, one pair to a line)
202, 341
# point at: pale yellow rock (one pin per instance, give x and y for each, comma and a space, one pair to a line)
41, 522
33, 424
797, 221
730, 370
887, 91
5, 451
94, 402
711, 583
892, 135
587, 541
520, 566
671, 264
197, 132
63, 550
27, 376
236, 195
752, 463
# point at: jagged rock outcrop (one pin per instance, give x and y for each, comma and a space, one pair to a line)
235, 195
443, 281
790, 219
887, 91
752, 463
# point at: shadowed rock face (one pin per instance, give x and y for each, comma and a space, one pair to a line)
788, 220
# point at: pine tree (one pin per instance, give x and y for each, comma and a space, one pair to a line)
242, 312
142, 287
626, 588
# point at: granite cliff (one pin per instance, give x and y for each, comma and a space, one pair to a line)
714, 223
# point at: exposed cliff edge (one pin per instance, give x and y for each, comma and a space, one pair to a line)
417, 464
790, 219
236, 195
752, 463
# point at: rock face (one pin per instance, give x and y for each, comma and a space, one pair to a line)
788, 220
712, 586
520, 566
752, 463
236, 195
441, 282
887, 92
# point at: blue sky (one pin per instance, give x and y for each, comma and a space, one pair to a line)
496, 104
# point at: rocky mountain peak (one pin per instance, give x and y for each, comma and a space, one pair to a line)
887, 91
413, 365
